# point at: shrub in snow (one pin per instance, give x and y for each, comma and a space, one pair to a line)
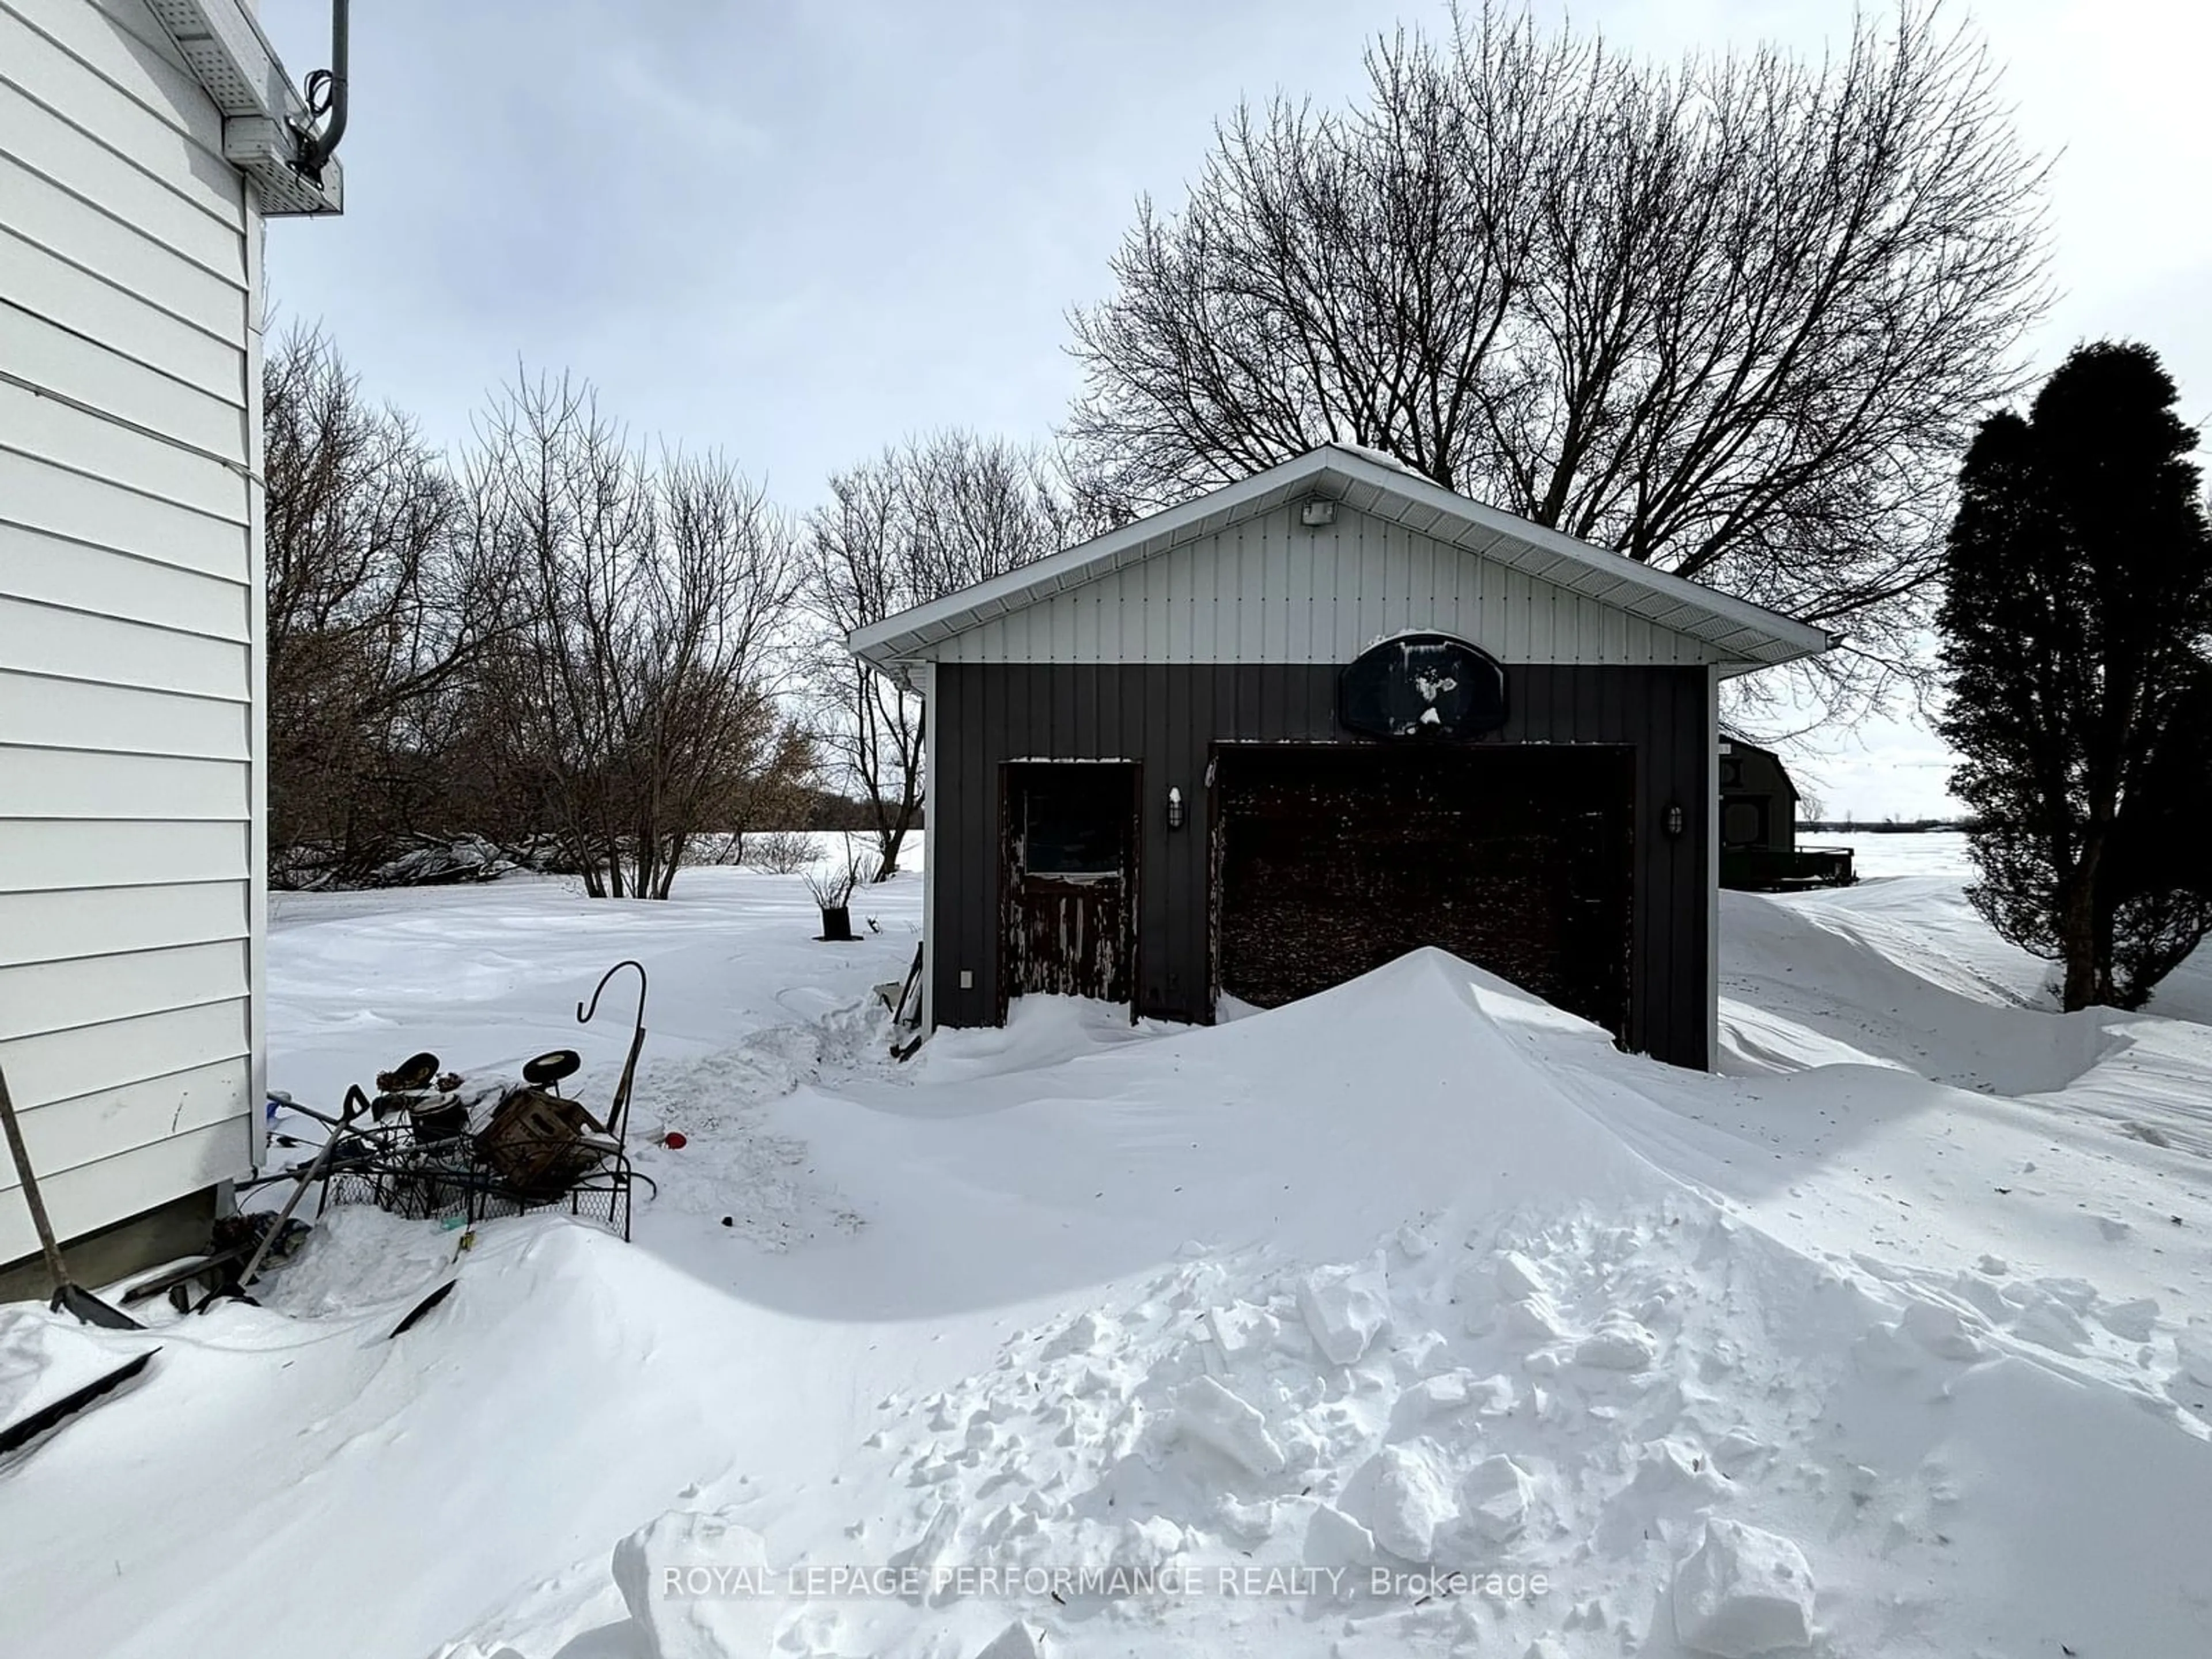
1345, 1307
1743, 1592
832, 886
780, 851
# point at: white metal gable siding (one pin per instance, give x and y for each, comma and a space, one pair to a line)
1269, 590
130, 828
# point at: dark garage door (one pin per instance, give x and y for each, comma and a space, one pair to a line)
1334, 861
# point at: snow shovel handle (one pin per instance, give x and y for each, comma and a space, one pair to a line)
32, 1199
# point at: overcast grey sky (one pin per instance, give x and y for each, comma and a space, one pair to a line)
795, 232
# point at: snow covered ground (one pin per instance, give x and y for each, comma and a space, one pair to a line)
1411, 1319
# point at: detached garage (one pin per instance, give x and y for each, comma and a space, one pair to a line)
1263, 742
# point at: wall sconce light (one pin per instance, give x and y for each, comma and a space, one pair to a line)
1174, 807
1674, 820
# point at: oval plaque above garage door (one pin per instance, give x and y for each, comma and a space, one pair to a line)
1422, 686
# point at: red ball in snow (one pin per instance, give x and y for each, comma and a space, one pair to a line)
673, 1139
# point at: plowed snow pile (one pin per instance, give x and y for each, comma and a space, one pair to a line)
1412, 1319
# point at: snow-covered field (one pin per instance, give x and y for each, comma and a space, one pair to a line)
1411, 1319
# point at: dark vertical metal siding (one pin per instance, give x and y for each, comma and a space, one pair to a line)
1169, 716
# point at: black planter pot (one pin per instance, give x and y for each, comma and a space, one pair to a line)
836, 923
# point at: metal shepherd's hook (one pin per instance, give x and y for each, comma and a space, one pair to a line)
621, 1107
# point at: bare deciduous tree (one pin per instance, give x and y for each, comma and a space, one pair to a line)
921, 520
1732, 319
378, 600
636, 708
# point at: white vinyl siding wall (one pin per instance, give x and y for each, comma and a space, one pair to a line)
1269, 590
129, 822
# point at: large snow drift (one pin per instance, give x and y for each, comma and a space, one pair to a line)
1412, 1318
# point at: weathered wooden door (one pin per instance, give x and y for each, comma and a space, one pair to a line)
1068, 907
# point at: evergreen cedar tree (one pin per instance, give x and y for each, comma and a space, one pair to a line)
2077, 638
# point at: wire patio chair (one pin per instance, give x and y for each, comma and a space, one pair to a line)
538, 1151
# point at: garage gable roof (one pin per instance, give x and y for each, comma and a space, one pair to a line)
1742, 633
